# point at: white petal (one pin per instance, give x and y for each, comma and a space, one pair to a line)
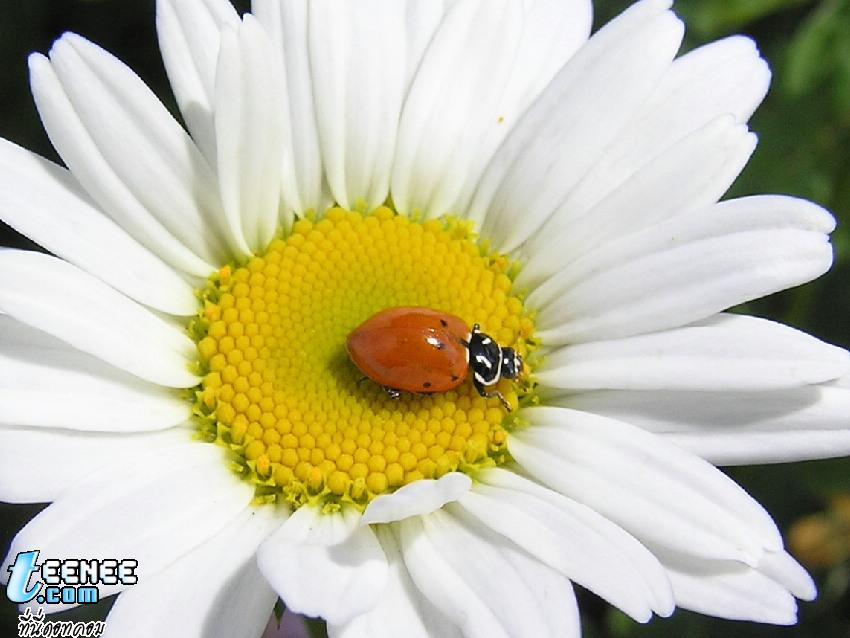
527, 597
423, 19
146, 147
440, 582
730, 590
153, 507
492, 74
46, 383
477, 554
453, 102
417, 498
358, 65
746, 448
553, 592
725, 352
732, 428
561, 136
336, 583
573, 540
63, 458
189, 38
249, 124
552, 31
216, 590
152, 156
43, 201
310, 526
62, 300
693, 173
781, 567
725, 77
74, 144
685, 269
402, 610
629, 553
302, 175
659, 493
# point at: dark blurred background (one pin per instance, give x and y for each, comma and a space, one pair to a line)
804, 150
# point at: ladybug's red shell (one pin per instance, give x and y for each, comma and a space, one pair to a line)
412, 349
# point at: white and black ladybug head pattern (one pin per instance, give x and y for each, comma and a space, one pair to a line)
488, 361
511, 363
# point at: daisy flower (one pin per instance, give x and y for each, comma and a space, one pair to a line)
175, 381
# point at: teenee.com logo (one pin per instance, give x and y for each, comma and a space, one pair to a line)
70, 581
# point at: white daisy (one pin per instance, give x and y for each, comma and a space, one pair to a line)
175, 379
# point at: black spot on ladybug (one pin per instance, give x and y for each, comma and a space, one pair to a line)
444, 323
455, 377
427, 384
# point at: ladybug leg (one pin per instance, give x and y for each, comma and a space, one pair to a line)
392, 392
480, 387
487, 395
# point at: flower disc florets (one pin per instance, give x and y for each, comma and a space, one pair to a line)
280, 391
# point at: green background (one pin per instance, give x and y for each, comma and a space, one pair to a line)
804, 150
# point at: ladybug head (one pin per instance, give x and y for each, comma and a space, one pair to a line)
511, 363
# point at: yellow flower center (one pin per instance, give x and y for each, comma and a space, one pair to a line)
280, 391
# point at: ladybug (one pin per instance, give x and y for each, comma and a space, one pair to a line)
422, 350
